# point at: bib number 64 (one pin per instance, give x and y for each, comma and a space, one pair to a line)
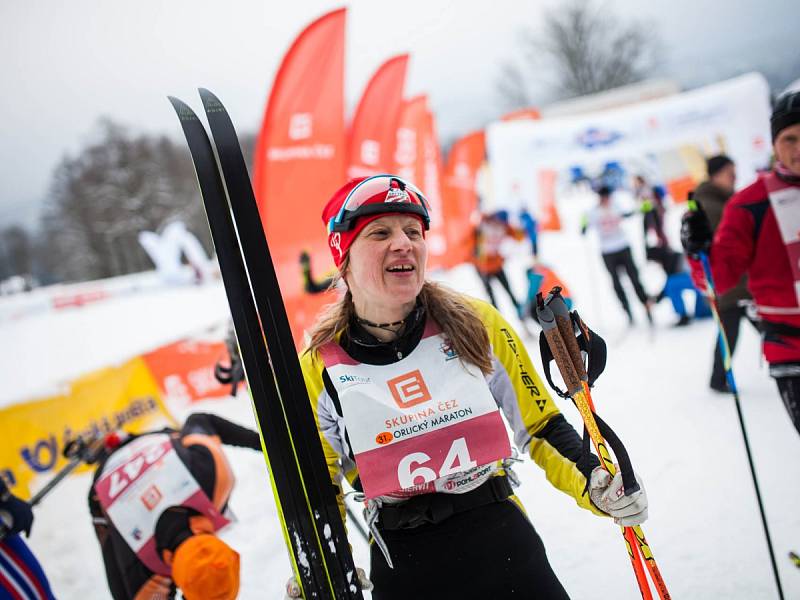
457, 460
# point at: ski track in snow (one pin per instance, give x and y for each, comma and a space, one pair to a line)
684, 439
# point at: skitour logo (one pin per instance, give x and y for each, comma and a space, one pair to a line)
409, 389
353, 379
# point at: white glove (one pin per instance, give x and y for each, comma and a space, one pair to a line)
293, 588
608, 494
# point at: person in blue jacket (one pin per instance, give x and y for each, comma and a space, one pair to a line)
21, 575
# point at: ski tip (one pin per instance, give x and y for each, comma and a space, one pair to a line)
210, 101
183, 109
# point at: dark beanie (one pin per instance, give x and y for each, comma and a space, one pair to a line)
716, 163
785, 113
604, 190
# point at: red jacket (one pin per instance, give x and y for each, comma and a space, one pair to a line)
748, 241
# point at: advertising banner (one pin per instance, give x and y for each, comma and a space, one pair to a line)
35, 433
672, 134
300, 160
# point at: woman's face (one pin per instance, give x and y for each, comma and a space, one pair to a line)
387, 267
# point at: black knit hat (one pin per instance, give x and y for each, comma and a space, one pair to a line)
716, 163
785, 113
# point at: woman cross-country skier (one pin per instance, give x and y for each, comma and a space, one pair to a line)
409, 382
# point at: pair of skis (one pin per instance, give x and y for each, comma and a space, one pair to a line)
304, 494
558, 330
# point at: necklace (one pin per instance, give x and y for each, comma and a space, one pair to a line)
384, 326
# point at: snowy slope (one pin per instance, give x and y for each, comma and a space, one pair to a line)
683, 438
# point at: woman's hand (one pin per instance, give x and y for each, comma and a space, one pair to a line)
608, 494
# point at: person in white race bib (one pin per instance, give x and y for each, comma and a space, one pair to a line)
157, 501
413, 386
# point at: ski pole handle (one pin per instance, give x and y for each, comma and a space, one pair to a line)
559, 350
564, 322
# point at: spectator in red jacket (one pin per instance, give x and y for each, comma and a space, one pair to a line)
759, 235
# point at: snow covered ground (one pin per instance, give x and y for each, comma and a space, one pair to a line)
683, 438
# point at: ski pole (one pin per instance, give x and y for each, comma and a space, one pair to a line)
78, 452
726, 361
357, 524
638, 548
576, 391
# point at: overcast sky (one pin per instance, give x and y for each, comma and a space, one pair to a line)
66, 63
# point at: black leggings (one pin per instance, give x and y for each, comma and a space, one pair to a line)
789, 388
617, 261
491, 551
501, 277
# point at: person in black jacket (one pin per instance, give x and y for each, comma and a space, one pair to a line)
148, 553
712, 195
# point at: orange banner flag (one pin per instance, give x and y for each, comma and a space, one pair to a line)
523, 113
373, 131
300, 159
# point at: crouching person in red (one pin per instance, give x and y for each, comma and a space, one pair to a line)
158, 500
760, 235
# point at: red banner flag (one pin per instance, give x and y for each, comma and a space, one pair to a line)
300, 159
416, 159
373, 132
407, 148
460, 196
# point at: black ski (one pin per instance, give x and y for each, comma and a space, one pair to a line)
275, 323
318, 546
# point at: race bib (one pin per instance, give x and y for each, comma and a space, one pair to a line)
425, 423
139, 482
785, 201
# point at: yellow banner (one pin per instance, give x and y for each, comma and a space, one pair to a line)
34, 434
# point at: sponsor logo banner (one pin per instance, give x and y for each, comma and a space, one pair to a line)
35, 433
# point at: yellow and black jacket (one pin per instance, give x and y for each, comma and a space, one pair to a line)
539, 428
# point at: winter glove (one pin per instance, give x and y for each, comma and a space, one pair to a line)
696, 234
15, 514
608, 494
293, 588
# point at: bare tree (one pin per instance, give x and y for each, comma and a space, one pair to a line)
588, 48
117, 186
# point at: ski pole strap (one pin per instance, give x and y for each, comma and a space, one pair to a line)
547, 358
621, 454
623, 459
436, 507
